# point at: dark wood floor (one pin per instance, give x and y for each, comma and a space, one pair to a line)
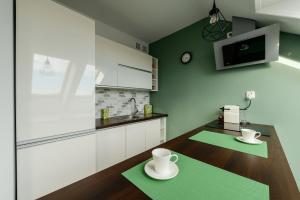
274, 171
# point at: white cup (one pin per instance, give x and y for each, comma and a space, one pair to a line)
250, 135
162, 158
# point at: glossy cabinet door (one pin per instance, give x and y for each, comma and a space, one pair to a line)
134, 78
55, 70
134, 58
135, 139
111, 147
120, 66
106, 63
153, 136
46, 168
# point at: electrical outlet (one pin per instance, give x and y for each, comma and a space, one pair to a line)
250, 95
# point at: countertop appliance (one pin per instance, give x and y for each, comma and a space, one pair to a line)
231, 114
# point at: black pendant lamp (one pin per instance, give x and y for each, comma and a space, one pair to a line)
218, 26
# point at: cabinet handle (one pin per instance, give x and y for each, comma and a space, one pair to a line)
120, 87
135, 68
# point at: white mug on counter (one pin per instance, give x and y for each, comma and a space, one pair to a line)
162, 158
250, 135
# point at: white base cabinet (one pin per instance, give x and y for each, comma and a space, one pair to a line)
153, 137
135, 139
49, 167
142, 136
110, 147
116, 144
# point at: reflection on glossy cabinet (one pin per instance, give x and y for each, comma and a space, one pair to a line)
46, 168
106, 63
110, 147
55, 58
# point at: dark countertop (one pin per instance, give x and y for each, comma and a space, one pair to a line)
273, 171
264, 130
122, 120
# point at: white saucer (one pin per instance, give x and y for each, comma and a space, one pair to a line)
149, 169
255, 141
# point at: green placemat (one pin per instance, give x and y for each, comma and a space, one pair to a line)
198, 180
229, 142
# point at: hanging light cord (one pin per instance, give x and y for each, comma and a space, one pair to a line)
214, 9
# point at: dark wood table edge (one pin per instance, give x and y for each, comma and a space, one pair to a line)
124, 166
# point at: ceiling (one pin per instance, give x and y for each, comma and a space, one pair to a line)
150, 20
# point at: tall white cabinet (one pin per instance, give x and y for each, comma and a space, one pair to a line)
55, 58
55, 82
7, 140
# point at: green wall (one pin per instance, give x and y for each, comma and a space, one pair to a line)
191, 94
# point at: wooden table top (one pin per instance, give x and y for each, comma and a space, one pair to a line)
274, 171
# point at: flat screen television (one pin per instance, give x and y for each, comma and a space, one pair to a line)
254, 47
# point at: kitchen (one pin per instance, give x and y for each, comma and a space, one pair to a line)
97, 94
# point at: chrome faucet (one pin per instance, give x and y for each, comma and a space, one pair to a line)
134, 109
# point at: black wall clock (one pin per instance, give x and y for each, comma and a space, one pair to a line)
186, 57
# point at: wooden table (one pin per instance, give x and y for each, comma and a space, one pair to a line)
274, 171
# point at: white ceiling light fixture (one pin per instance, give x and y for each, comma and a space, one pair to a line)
218, 25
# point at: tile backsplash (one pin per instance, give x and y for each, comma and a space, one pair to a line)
117, 101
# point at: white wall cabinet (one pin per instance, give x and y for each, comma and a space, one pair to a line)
46, 168
134, 58
111, 147
120, 66
106, 66
134, 78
